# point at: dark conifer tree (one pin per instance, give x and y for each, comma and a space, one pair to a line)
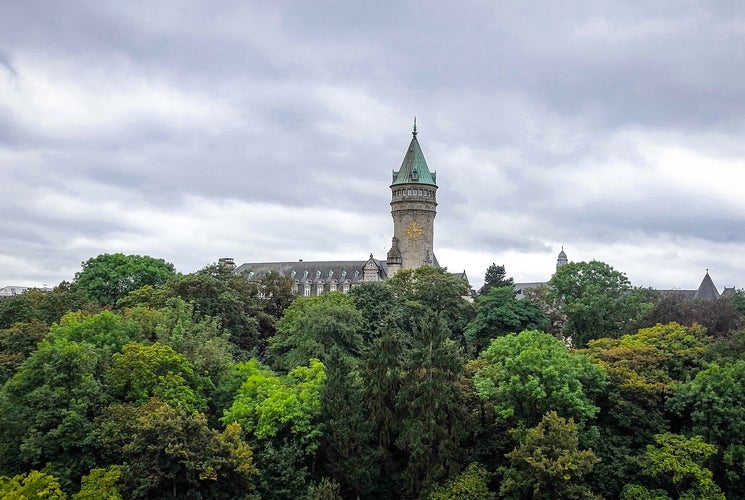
495, 277
346, 449
429, 403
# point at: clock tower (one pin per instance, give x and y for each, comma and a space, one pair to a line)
413, 207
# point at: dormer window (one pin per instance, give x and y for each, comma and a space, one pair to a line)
414, 175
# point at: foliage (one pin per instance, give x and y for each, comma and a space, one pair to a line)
377, 303
101, 484
169, 452
109, 277
200, 340
326, 489
496, 277
16, 343
598, 301
142, 371
34, 484
428, 402
486, 438
434, 289
129, 401
269, 406
106, 331
644, 367
718, 317
46, 411
532, 373
499, 313
471, 484
676, 464
205, 346
216, 292
283, 467
312, 326
737, 299
45, 307
381, 368
346, 447
714, 402
548, 463
276, 293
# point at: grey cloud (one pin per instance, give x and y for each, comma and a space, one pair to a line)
532, 90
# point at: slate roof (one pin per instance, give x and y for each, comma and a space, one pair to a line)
414, 169
706, 290
302, 271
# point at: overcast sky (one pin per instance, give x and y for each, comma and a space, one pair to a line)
268, 130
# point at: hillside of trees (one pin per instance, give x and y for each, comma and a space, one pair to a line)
135, 381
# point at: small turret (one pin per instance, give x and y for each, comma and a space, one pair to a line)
562, 259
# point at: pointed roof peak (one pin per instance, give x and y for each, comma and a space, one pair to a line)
414, 169
706, 290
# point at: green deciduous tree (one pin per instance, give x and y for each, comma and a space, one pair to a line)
719, 317
271, 406
598, 301
216, 292
33, 484
644, 369
471, 484
677, 465
532, 373
47, 410
312, 326
106, 331
17, 343
281, 418
101, 484
548, 463
498, 313
109, 277
45, 307
205, 345
167, 452
140, 372
714, 401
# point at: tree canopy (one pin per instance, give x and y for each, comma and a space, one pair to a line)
211, 385
109, 277
598, 301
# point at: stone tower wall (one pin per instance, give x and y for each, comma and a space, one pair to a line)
414, 207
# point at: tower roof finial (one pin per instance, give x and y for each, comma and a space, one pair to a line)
414, 131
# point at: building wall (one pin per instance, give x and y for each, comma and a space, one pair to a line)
414, 207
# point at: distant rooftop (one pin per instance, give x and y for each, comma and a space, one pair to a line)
9, 291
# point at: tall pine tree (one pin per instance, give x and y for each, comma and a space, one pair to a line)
495, 277
428, 401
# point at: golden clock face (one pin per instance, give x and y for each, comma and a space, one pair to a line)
414, 230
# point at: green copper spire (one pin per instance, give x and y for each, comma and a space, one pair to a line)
414, 168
